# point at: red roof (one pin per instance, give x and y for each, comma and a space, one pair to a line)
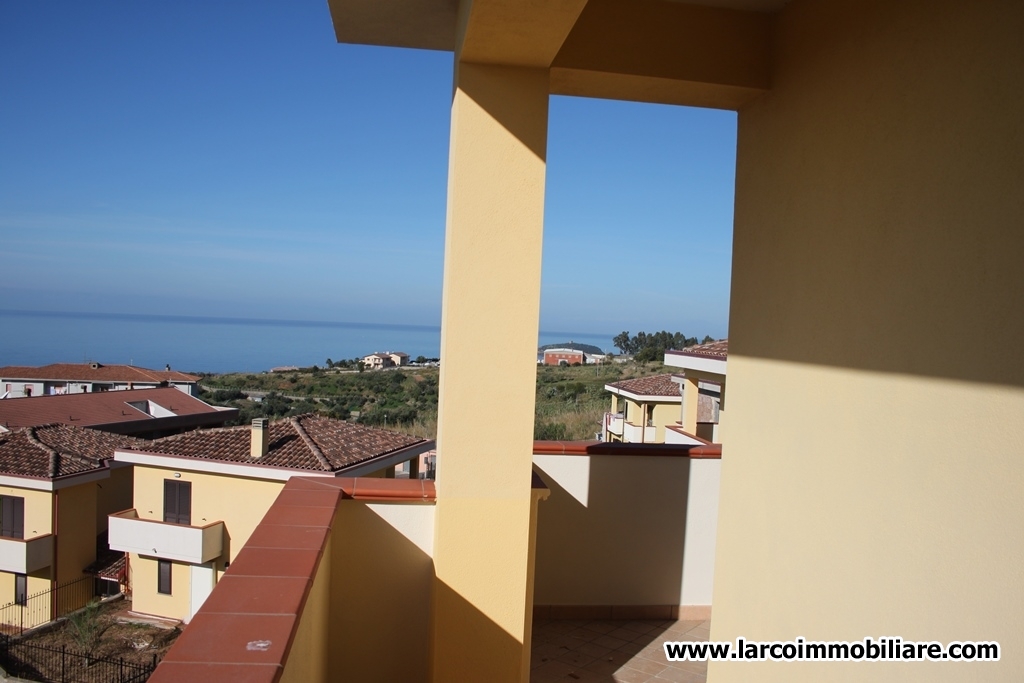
56, 450
97, 408
717, 350
85, 372
655, 385
308, 442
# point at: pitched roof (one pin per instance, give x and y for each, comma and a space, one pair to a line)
97, 408
85, 372
716, 350
655, 385
56, 450
307, 442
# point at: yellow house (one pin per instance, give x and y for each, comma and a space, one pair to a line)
876, 283
199, 495
652, 410
57, 487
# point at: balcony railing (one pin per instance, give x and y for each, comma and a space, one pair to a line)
636, 434
613, 423
192, 544
23, 556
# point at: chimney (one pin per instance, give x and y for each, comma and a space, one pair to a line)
260, 439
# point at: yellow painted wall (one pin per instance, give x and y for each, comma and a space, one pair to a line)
877, 289
237, 501
381, 580
663, 414
76, 530
308, 658
38, 509
147, 600
113, 494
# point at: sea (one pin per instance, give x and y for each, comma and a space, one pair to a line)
215, 344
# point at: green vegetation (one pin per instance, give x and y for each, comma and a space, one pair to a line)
646, 347
570, 400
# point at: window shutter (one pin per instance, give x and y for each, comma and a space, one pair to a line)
170, 501
184, 502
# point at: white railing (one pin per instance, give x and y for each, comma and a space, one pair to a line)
192, 544
632, 433
613, 423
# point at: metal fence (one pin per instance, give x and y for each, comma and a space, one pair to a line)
63, 665
45, 606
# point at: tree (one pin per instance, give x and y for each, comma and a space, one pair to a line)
707, 339
622, 342
329, 363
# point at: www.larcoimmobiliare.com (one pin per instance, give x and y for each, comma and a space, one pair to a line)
800, 650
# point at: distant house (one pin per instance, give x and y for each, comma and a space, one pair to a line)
385, 359
563, 357
199, 496
78, 378
377, 361
57, 487
145, 413
703, 371
649, 410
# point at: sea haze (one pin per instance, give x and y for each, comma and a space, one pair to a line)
202, 344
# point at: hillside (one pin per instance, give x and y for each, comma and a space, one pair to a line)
570, 400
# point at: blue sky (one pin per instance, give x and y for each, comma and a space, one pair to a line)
231, 159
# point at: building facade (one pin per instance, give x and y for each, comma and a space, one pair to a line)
199, 496
75, 378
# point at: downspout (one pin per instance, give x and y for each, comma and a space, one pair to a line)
56, 543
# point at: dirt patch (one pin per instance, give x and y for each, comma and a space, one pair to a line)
97, 632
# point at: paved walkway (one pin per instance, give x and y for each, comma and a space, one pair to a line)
613, 651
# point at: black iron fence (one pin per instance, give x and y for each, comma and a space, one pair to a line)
63, 665
45, 606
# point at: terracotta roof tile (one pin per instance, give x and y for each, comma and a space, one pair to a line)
56, 450
96, 408
717, 350
308, 442
84, 372
655, 385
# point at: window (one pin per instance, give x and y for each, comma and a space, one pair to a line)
177, 501
20, 589
163, 577
12, 517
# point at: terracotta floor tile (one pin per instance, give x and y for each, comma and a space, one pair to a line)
575, 658
647, 666
600, 626
632, 649
609, 641
679, 676
550, 671
638, 658
627, 675
595, 650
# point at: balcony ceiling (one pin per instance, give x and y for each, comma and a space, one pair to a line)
431, 24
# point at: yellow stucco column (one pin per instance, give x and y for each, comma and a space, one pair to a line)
483, 588
691, 393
